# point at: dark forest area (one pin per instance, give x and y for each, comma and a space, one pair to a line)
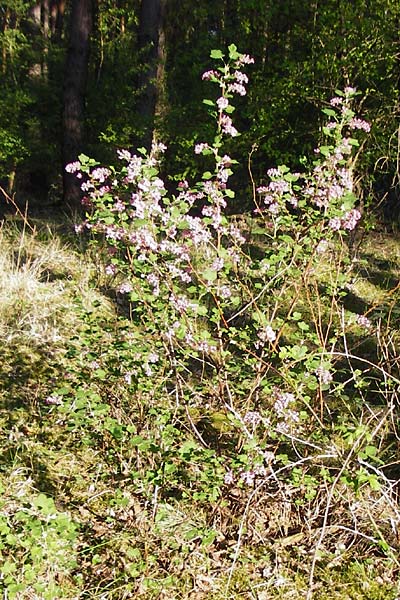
96, 76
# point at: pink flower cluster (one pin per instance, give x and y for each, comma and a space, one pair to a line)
282, 405
360, 124
278, 192
324, 375
264, 335
363, 321
348, 221
231, 81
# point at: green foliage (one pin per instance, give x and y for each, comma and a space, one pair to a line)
227, 415
207, 301
37, 543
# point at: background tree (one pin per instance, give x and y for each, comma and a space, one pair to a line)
152, 48
75, 80
144, 72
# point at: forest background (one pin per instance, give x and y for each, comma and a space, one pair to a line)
95, 76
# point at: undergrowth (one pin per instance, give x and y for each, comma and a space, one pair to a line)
199, 406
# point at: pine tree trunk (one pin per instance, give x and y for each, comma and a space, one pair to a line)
152, 79
75, 81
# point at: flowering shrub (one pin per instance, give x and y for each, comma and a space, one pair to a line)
220, 313
232, 387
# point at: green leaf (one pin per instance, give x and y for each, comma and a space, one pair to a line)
325, 150
44, 502
298, 352
233, 53
192, 534
210, 275
374, 483
329, 112
290, 177
371, 451
100, 374
208, 537
217, 54
187, 448
11, 539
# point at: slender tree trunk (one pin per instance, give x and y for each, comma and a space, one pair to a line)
57, 10
34, 30
4, 28
152, 79
45, 30
75, 81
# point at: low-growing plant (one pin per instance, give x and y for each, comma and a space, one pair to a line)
38, 543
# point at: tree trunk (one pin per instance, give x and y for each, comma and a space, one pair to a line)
34, 30
75, 81
57, 9
151, 39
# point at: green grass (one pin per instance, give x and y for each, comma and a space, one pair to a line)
108, 493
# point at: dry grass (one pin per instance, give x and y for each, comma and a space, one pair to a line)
40, 280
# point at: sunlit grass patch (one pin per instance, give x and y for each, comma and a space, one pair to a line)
39, 282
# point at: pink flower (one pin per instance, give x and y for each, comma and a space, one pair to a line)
227, 127
208, 75
229, 478
218, 264
245, 59
119, 206
360, 124
335, 223
198, 149
241, 77
363, 321
283, 399
222, 103
125, 288
252, 418
73, 167
262, 189
274, 208
351, 219
101, 174
110, 270
324, 376
87, 186
158, 147
54, 399
124, 154
279, 187
237, 88
226, 161
225, 292
266, 334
